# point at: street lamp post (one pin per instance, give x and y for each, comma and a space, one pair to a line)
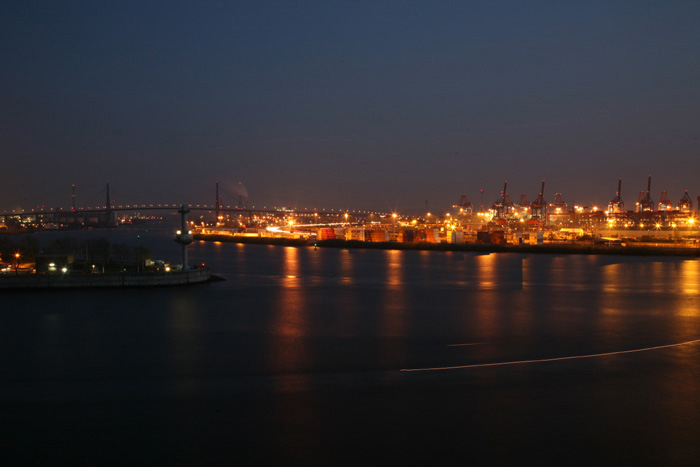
16, 264
184, 236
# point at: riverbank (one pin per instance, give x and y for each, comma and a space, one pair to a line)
558, 248
109, 280
253, 240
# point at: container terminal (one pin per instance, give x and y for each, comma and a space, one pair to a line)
545, 219
537, 222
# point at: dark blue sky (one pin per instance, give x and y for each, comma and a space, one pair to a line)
360, 105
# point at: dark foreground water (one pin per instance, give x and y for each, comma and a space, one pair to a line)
297, 359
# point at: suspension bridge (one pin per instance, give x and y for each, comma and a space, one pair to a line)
107, 214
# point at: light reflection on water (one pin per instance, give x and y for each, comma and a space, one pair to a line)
184, 331
289, 326
394, 316
300, 301
295, 336
487, 273
347, 267
689, 277
348, 301
291, 266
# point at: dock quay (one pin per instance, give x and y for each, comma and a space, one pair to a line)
125, 279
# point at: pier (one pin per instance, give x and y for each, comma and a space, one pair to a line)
127, 279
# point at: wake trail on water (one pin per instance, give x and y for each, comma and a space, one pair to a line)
555, 359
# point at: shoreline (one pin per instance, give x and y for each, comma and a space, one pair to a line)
108, 280
573, 249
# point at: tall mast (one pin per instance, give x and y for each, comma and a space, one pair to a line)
218, 206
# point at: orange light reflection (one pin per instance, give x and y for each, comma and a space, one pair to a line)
288, 340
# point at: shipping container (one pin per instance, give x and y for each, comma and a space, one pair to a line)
355, 233
432, 235
455, 236
407, 236
376, 236
326, 234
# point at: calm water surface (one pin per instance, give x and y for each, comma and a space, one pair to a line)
297, 358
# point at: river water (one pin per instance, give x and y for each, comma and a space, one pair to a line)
334, 356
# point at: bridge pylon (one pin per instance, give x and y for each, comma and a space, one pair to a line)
218, 203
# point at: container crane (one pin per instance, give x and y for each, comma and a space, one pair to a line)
664, 202
538, 207
616, 204
685, 204
645, 203
501, 206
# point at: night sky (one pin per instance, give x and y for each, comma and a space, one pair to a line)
347, 105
